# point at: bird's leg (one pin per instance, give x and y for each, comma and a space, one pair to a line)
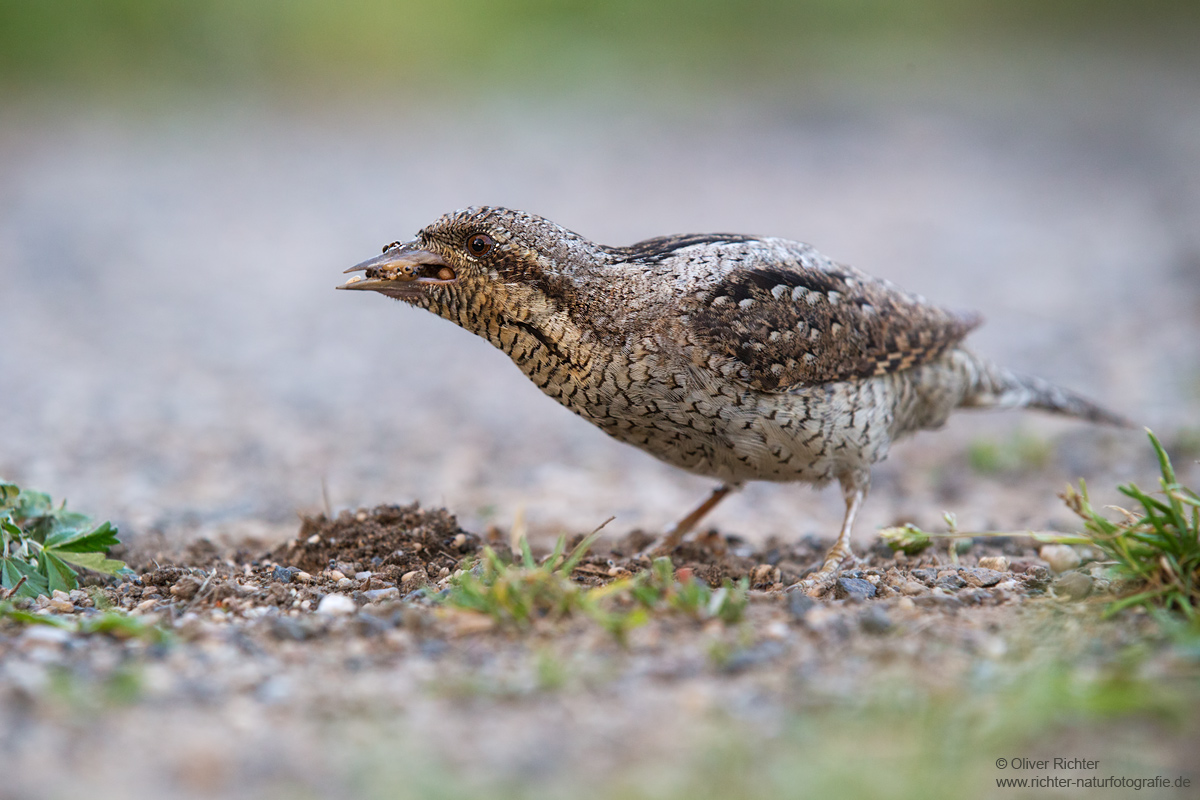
854, 489
674, 536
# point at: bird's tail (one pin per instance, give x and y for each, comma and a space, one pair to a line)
991, 386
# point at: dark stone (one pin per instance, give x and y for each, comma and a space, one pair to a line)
975, 597
926, 575
799, 604
875, 620
951, 583
372, 625
291, 628
853, 589
981, 576
284, 574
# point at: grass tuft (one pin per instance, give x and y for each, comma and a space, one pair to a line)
517, 594
1155, 552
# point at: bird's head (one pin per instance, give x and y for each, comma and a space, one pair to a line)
485, 254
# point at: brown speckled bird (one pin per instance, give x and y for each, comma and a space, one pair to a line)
735, 357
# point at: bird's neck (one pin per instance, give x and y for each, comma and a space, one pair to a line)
540, 333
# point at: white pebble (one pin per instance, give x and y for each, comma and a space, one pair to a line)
1060, 557
335, 605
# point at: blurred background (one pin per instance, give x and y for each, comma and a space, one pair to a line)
181, 186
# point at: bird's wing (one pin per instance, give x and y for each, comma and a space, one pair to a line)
796, 319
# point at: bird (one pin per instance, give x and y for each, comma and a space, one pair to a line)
735, 357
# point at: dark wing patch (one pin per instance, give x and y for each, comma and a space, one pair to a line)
663, 247
797, 326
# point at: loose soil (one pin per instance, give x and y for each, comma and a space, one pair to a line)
413, 552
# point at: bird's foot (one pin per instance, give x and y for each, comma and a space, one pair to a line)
815, 584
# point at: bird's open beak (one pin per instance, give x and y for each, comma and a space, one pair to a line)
402, 269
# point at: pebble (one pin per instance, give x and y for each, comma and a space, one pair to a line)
61, 605
998, 563
926, 575
362, 576
303, 577
853, 589
345, 583
875, 620
951, 582
377, 595
284, 574
290, 628
981, 576
799, 604
335, 605
1060, 557
1072, 586
186, 587
335, 575
1037, 577
912, 588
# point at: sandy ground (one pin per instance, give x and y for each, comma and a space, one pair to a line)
174, 356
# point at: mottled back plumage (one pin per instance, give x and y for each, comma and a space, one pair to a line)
803, 321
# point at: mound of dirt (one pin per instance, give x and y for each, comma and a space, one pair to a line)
387, 540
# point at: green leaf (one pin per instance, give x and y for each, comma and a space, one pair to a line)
11, 572
76, 541
69, 519
8, 494
59, 575
7, 611
32, 504
93, 561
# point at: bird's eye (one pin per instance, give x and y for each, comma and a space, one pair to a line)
480, 244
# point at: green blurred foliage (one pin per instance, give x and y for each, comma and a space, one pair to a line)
99, 44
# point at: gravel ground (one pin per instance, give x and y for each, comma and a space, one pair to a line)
175, 359
282, 677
